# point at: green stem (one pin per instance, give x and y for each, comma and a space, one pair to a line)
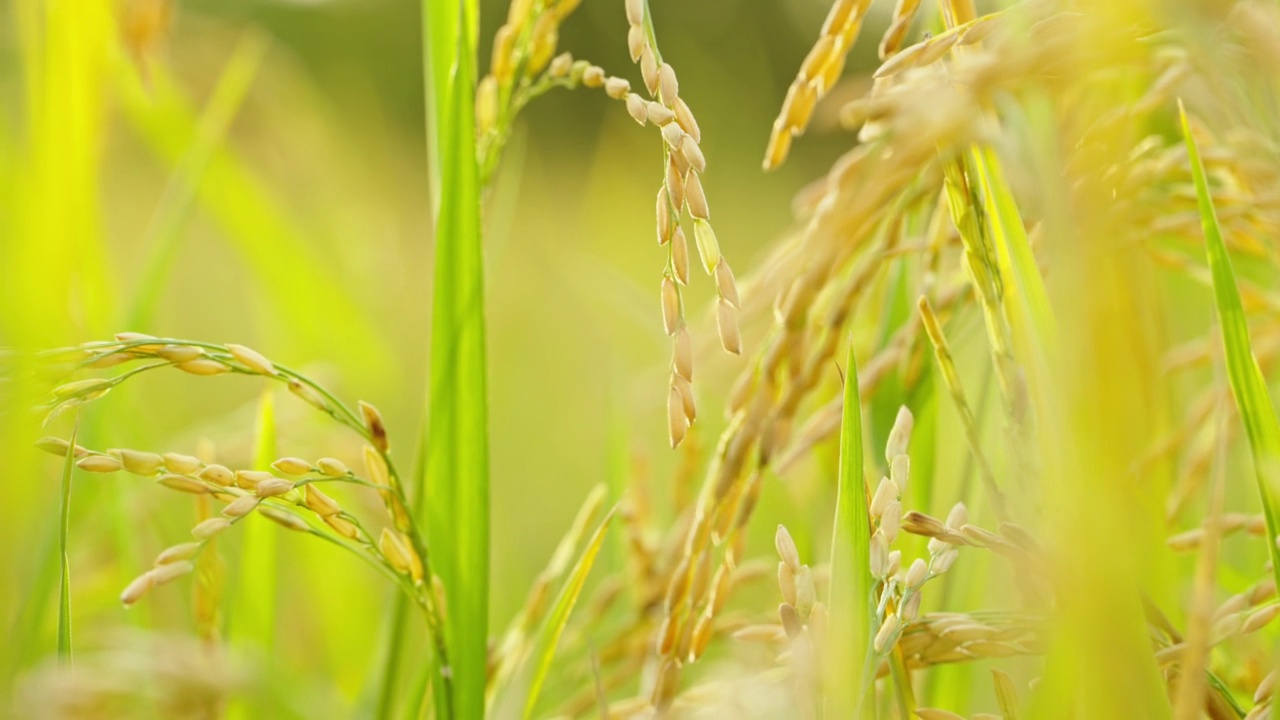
64, 526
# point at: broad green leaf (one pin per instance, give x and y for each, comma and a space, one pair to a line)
848, 674
1248, 386
456, 479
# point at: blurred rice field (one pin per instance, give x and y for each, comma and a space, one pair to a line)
994, 215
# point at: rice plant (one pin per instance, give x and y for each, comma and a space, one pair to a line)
965, 440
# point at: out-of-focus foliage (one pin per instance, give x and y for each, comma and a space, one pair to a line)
985, 213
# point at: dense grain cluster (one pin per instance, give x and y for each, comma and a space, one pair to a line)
818, 73
289, 495
520, 69
286, 499
681, 191
524, 65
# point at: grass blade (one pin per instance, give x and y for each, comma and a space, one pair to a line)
848, 677
64, 598
544, 650
511, 650
1029, 301
1248, 386
456, 480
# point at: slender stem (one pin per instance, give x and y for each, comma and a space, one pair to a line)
64, 526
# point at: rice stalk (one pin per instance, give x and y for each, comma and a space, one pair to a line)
64, 595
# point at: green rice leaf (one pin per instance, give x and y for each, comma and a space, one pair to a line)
64, 598
896, 311
456, 480
544, 650
1018, 265
1248, 386
849, 673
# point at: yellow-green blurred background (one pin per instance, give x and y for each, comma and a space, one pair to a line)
307, 237
255, 172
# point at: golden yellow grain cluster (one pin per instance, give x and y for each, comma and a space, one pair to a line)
288, 495
681, 191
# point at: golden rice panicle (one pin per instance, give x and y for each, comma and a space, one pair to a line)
252, 359
380, 475
309, 395
374, 425
98, 463
160, 575
292, 466
318, 502
59, 447
802, 617
899, 435
677, 417
819, 71
139, 587
933, 49
241, 506
332, 467
398, 551
182, 551
683, 164
182, 464
204, 367
182, 483
903, 15
522, 64
284, 519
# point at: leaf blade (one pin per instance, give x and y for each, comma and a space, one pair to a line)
558, 618
64, 526
456, 478
850, 597
1248, 385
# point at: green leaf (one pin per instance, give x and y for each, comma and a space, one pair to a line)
849, 673
1248, 386
1031, 316
890, 394
456, 480
64, 598
544, 650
